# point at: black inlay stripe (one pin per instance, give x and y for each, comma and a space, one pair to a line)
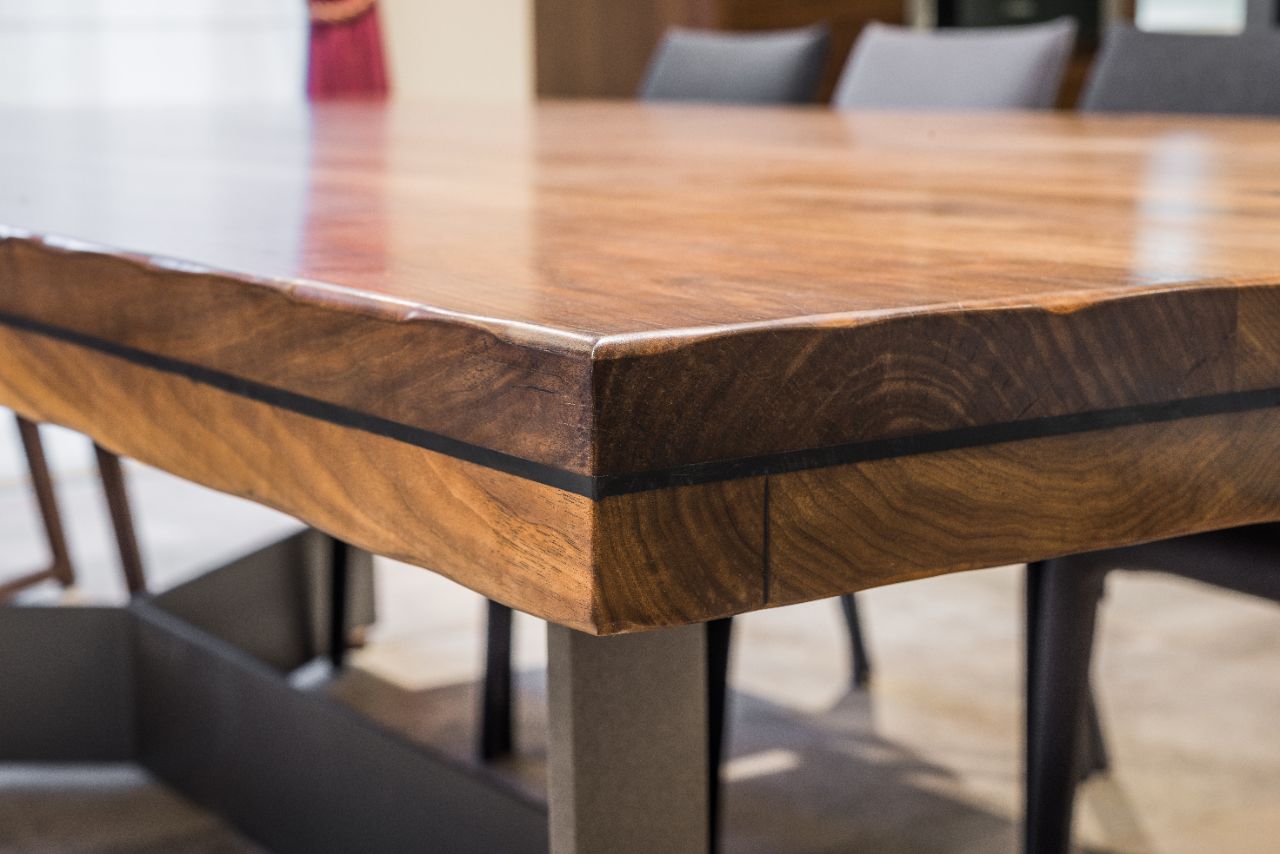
944, 440
333, 413
602, 486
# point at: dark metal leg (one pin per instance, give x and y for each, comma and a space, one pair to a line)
1033, 582
719, 635
339, 569
627, 741
61, 568
1062, 611
1096, 760
497, 705
121, 519
859, 657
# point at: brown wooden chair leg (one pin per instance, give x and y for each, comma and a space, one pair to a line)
121, 519
60, 568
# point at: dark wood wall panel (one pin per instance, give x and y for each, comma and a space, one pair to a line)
599, 48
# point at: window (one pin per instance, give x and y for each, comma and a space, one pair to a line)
151, 51
1191, 16
138, 52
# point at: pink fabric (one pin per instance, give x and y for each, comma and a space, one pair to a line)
346, 60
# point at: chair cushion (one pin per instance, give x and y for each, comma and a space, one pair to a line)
985, 68
1174, 73
780, 67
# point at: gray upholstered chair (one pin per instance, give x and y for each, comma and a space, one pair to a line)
1174, 73
1062, 603
986, 68
778, 67
1136, 72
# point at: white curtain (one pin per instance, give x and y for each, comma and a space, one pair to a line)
136, 53
55, 52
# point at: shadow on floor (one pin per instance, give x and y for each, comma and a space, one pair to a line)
805, 783
111, 807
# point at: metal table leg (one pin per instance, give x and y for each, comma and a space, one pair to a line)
628, 741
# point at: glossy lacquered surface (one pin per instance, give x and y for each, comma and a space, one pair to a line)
626, 365
590, 223
577, 238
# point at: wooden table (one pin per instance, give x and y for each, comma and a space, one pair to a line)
627, 367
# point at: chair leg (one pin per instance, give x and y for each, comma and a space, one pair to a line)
117, 495
497, 712
61, 568
719, 637
1096, 759
1062, 599
339, 576
1033, 583
858, 655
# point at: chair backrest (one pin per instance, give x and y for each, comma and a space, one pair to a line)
1174, 73
981, 68
780, 67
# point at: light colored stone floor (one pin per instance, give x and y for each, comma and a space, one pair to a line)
101, 809
1189, 680
928, 760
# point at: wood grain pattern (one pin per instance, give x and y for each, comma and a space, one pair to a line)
913, 375
687, 552
455, 380
851, 527
509, 538
530, 282
597, 364
672, 557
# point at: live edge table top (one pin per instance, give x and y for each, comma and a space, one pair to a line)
625, 366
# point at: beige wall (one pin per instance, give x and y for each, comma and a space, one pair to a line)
475, 50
